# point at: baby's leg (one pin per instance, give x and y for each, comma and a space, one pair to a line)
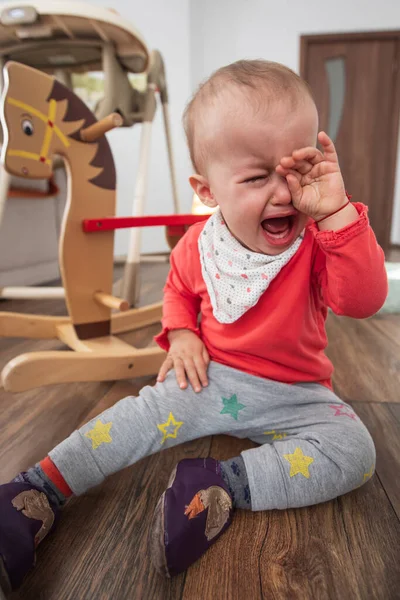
314, 448
317, 450
160, 417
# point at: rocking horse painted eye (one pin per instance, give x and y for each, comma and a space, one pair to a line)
27, 127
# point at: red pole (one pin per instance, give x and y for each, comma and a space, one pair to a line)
111, 223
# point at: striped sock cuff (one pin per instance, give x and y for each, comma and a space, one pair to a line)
51, 471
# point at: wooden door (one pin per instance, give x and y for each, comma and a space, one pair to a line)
355, 80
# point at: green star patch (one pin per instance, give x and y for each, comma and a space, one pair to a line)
232, 406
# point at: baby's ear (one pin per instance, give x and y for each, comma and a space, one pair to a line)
201, 187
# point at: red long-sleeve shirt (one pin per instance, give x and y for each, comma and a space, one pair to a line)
283, 336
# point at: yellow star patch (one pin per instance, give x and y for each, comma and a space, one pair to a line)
277, 436
100, 434
299, 463
369, 475
164, 427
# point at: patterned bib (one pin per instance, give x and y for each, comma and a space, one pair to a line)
235, 277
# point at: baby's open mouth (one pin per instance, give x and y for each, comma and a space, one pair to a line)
278, 227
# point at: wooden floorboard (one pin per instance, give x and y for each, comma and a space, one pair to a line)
344, 549
385, 430
366, 356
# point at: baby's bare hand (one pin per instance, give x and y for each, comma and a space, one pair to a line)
314, 179
189, 357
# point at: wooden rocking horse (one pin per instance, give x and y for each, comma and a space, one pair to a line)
42, 118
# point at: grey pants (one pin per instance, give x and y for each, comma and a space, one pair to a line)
313, 447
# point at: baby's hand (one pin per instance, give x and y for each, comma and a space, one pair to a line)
189, 357
314, 179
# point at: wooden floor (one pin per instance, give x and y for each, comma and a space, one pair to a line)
344, 549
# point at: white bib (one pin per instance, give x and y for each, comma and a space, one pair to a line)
235, 277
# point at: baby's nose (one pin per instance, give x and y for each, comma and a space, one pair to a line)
281, 194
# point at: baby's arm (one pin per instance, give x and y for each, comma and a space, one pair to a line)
350, 264
350, 267
180, 336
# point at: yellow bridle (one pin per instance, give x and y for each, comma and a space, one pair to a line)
51, 128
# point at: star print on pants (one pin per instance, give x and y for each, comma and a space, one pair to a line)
342, 411
369, 475
164, 427
277, 436
100, 434
231, 406
299, 463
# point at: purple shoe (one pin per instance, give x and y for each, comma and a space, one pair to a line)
26, 517
194, 510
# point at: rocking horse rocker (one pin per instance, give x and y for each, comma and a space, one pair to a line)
56, 122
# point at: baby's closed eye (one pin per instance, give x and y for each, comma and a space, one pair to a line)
257, 178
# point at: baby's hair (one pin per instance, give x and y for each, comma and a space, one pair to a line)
260, 80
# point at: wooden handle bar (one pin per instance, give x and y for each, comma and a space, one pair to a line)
95, 131
111, 301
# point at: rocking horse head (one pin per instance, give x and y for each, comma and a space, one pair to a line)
42, 118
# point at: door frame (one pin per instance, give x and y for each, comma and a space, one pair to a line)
305, 43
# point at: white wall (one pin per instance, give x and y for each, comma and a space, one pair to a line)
227, 30
165, 27
395, 236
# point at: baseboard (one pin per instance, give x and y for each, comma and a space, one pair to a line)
30, 275
162, 257
392, 304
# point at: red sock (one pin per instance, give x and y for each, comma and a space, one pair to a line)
50, 469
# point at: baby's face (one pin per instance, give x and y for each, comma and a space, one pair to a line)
254, 200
